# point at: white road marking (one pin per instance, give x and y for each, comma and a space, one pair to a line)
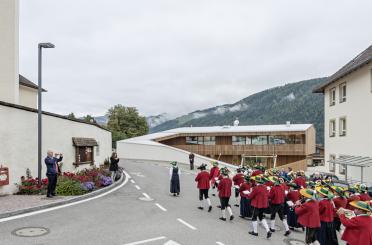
186, 224
66, 205
147, 196
161, 207
132, 181
137, 187
170, 242
220, 243
146, 241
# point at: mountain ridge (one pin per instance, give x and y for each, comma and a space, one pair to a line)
265, 107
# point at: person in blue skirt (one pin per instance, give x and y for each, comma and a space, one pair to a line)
245, 203
174, 175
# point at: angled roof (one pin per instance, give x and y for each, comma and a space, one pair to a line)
84, 141
149, 138
27, 83
360, 60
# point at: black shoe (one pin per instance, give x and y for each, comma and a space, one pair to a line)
218, 206
178, 194
240, 216
272, 230
291, 228
236, 205
231, 217
210, 208
201, 208
287, 233
253, 233
303, 229
174, 194
49, 196
223, 219
268, 235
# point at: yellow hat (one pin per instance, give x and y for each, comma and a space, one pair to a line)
361, 205
308, 193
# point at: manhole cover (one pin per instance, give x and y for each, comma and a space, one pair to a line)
30, 231
293, 242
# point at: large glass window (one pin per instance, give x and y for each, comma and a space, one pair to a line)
259, 140
191, 140
209, 140
239, 140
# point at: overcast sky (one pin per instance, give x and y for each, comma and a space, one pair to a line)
177, 56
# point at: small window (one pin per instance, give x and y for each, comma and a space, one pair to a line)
209, 140
84, 154
239, 140
332, 128
332, 97
332, 164
342, 169
342, 92
343, 126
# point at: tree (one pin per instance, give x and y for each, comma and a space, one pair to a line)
71, 116
89, 118
125, 122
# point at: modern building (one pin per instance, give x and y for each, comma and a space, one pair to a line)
270, 145
348, 119
83, 144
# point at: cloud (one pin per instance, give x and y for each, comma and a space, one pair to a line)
180, 56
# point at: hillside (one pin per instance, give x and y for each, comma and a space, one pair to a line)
293, 102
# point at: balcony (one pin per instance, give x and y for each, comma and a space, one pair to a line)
284, 149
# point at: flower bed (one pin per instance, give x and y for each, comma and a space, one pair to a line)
68, 184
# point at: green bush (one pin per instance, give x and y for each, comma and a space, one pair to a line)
68, 187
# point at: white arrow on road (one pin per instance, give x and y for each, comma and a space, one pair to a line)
170, 242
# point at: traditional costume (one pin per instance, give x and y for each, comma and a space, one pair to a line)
308, 215
213, 176
174, 175
340, 201
224, 193
327, 233
245, 203
292, 197
259, 201
238, 180
358, 229
277, 200
203, 185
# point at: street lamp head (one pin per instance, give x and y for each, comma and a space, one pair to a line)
46, 45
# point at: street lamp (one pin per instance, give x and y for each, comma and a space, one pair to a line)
39, 109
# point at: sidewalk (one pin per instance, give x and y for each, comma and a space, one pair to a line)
11, 203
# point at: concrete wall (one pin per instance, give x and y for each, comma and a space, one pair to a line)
28, 97
18, 140
9, 28
160, 152
358, 112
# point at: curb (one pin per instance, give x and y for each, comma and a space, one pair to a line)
63, 202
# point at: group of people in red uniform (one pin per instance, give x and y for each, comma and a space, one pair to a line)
317, 207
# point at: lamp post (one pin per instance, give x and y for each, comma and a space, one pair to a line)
39, 109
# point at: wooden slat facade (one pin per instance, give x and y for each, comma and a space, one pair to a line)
227, 152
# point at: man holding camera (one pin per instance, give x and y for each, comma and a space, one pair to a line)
52, 171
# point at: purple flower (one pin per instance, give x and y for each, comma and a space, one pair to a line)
105, 181
87, 186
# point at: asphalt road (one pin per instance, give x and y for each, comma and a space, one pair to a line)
141, 212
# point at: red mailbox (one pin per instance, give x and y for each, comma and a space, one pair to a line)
4, 176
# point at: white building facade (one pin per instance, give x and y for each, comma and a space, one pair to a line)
348, 118
83, 144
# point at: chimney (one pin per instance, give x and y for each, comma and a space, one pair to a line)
288, 123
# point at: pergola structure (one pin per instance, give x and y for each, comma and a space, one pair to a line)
355, 161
